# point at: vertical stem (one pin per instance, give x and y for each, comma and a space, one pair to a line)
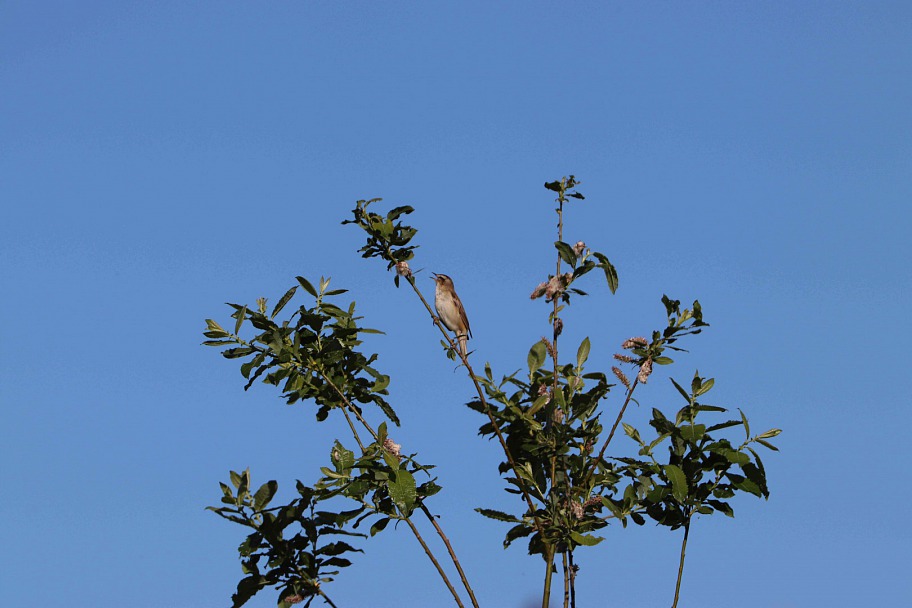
560, 237
572, 581
546, 597
434, 561
566, 582
681, 563
446, 541
549, 563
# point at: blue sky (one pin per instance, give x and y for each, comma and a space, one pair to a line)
160, 159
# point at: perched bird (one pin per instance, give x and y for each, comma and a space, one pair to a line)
450, 309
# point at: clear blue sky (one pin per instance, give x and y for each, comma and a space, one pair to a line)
160, 159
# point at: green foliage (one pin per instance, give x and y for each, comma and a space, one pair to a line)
312, 355
548, 421
381, 481
702, 471
288, 547
387, 237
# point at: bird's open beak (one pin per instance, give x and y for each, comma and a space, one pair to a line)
434, 276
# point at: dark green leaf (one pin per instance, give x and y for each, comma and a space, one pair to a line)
498, 515
283, 301
536, 357
582, 353
402, 490
678, 482
610, 271
241, 315
586, 539
747, 428
307, 286
767, 444
265, 494
379, 525
566, 252
681, 390
554, 186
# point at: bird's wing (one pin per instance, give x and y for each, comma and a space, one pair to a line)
462, 314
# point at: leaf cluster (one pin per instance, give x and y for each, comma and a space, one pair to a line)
381, 480
702, 470
311, 355
553, 451
387, 237
288, 546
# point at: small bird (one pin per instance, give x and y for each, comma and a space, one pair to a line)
451, 310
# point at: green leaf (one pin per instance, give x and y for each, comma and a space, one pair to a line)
681, 390
402, 490
235, 479
515, 532
498, 515
583, 352
769, 434
747, 428
566, 252
586, 539
724, 425
388, 411
739, 458
379, 525
767, 444
748, 486
391, 461
678, 482
246, 589
707, 384
536, 357
693, 433
283, 301
632, 433
395, 212
610, 271
241, 315
343, 459
663, 360
724, 507
265, 494
307, 286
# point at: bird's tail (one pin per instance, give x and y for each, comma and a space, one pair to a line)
463, 344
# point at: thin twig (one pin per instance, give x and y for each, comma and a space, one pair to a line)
446, 541
326, 598
601, 453
406, 518
353, 429
434, 561
681, 563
